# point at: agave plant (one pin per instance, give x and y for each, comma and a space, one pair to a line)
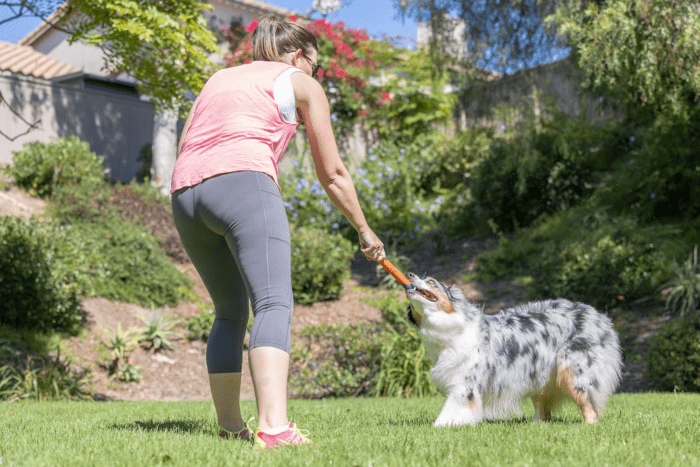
119, 342
158, 332
684, 296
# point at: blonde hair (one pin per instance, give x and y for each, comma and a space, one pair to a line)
274, 37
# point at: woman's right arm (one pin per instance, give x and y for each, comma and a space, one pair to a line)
313, 106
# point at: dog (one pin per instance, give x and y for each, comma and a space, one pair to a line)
549, 351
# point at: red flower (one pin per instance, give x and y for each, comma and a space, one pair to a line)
386, 96
341, 73
251, 27
362, 113
293, 18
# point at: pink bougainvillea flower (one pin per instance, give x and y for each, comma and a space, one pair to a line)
343, 49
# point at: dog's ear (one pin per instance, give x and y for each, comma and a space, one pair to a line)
409, 315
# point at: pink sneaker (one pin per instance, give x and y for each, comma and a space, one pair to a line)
293, 435
244, 434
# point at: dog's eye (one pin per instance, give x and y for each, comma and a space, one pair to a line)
432, 283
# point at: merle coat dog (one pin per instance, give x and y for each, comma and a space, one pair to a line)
486, 365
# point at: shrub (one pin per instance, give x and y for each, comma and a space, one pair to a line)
34, 294
40, 378
603, 271
320, 264
81, 203
451, 163
387, 183
380, 359
198, 326
40, 168
404, 367
118, 260
673, 358
535, 173
684, 296
660, 176
335, 361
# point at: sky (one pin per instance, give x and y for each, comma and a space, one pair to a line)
377, 17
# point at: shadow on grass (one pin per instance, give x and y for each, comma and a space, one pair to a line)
515, 420
176, 426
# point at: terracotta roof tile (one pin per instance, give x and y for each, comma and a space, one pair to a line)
24, 60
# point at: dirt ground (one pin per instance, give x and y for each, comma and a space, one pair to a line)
180, 373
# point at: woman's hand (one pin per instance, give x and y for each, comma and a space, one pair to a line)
371, 246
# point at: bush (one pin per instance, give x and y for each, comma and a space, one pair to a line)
451, 162
41, 168
40, 378
404, 367
81, 203
603, 271
335, 361
380, 359
118, 260
320, 264
34, 293
660, 176
537, 172
387, 183
583, 254
684, 294
673, 358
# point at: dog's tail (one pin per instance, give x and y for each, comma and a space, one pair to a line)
594, 357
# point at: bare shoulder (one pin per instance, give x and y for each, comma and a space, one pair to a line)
306, 88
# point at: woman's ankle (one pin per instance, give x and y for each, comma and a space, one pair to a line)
233, 427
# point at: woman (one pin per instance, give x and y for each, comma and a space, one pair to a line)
232, 222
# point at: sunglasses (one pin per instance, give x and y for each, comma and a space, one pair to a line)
314, 67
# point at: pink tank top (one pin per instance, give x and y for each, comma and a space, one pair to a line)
236, 126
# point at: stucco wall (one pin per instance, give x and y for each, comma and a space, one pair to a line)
555, 85
117, 128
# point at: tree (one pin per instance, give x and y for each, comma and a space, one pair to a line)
646, 52
503, 35
16, 9
163, 44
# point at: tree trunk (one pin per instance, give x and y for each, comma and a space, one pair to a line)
164, 149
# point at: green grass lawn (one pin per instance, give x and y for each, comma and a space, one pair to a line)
636, 430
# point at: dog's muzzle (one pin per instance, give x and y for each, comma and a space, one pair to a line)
428, 295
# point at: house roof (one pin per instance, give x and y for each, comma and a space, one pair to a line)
252, 6
24, 60
45, 26
261, 8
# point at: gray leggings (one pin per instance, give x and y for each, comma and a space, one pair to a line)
234, 228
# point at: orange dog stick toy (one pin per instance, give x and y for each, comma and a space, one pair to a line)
391, 269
